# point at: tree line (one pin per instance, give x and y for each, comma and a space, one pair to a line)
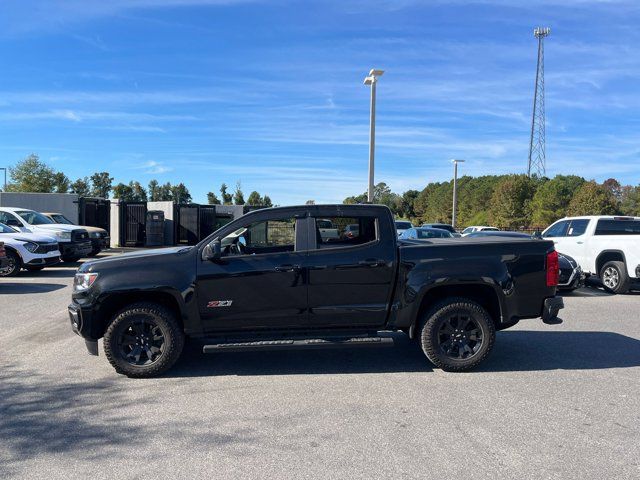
510, 201
33, 175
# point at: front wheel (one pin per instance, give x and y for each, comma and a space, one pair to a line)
13, 268
144, 340
70, 258
457, 334
614, 277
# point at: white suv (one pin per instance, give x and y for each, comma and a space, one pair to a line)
74, 241
27, 250
606, 246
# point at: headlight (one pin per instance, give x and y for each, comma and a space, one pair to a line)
95, 234
32, 247
83, 281
63, 235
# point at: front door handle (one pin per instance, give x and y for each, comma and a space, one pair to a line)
288, 268
371, 262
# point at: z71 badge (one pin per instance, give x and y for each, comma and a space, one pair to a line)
219, 303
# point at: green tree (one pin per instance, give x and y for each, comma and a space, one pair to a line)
254, 199
32, 175
510, 203
310, 202
238, 196
552, 199
434, 203
592, 199
123, 192
630, 200
80, 187
61, 183
227, 198
180, 193
408, 200
154, 190
138, 193
164, 193
213, 199
101, 184
266, 201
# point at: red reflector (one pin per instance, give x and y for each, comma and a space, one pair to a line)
553, 269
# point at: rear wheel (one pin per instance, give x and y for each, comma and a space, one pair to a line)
614, 277
144, 340
457, 334
13, 268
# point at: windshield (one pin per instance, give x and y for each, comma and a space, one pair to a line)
6, 229
34, 218
403, 225
424, 233
58, 218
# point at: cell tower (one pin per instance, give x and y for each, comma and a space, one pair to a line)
537, 160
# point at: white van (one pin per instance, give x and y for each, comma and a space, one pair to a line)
606, 246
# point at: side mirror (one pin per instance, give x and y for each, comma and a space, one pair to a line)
212, 251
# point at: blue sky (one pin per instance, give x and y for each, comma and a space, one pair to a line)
270, 92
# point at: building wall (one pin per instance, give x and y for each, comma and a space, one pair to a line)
114, 220
65, 203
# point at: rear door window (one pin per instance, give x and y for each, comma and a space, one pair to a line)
577, 227
336, 232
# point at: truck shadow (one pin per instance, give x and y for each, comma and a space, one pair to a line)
514, 351
25, 288
41, 416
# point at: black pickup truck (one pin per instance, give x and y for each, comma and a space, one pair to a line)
270, 279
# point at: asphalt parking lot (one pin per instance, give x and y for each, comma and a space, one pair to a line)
552, 402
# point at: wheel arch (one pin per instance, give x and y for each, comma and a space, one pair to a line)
483, 294
10, 248
114, 303
611, 255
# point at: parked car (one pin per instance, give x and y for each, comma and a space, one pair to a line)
402, 226
604, 246
27, 250
4, 260
443, 226
351, 231
478, 228
266, 288
73, 241
571, 275
423, 233
327, 229
99, 237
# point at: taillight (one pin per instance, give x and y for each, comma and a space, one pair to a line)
553, 269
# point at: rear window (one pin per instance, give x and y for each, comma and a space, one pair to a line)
345, 231
618, 227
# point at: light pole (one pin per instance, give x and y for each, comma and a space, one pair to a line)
372, 79
5, 178
455, 190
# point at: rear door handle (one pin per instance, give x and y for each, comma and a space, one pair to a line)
371, 262
288, 268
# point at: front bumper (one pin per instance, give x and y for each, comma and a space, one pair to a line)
575, 280
100, 243
552, 306
46, 261
79, 327
76, 249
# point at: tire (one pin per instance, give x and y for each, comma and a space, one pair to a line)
145, 321
94, 252
15, 264
614, 277
70, 259
32, 268
457, 324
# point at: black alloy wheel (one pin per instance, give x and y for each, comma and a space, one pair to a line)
142, 343
460, 335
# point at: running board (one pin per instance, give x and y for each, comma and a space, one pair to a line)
295, 344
